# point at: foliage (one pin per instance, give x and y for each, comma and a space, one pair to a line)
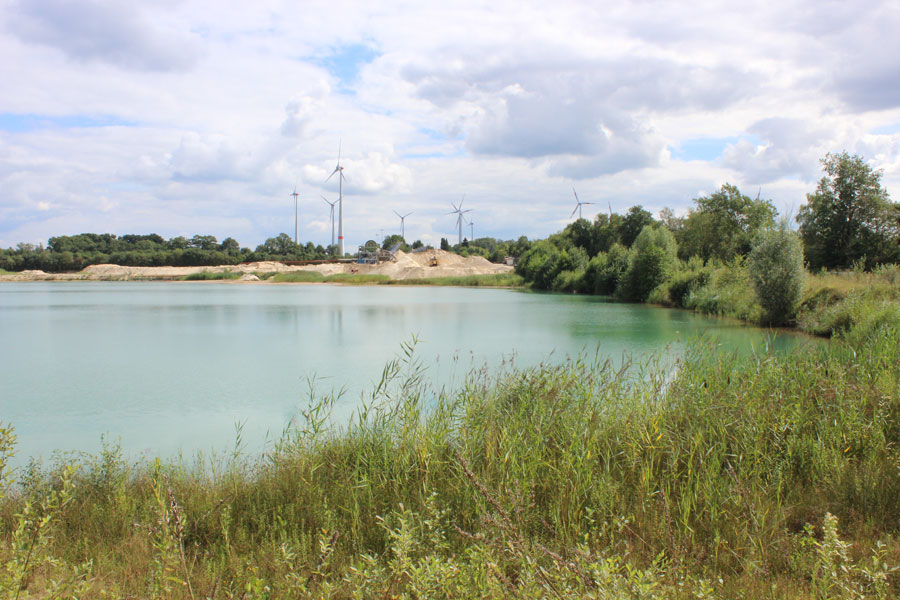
498, 280
212, 275
633, 224
776, 269
727, 292
298, 277
723, 224
357, 278
653, 258
849, 217
605, 270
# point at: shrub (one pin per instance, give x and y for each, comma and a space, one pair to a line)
652, 261
776, 270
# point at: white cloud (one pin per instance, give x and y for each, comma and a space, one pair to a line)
213, 115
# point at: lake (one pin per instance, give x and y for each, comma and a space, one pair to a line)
170, 367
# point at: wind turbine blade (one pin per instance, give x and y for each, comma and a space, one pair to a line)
574, 210
587, 203
332, 174
407, 214
398, 214
576, 195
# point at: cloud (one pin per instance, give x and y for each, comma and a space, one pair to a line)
104, 31
779, 148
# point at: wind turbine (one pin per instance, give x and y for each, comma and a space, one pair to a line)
339, 169
403, 223
578, 205
331, 204
296, 222
471, 230
459, 212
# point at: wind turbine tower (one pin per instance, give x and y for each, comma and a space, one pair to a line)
331, 204
296, 214
471, 230
459, 212
578, 205
340, 170
403, 223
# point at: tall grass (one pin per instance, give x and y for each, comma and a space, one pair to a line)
357, 278
298, 277
496, 280
212, 275
763, 476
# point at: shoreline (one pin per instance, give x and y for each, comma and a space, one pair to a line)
405, 266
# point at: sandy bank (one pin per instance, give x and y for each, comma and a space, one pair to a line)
407, 266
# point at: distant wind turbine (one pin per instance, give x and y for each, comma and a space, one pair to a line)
578, 205
296, 214
331, 204
340, 170
459, 212
403, 223
471, 230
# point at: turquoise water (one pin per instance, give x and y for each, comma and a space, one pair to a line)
172, 367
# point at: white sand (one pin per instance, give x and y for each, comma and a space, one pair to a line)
407, 266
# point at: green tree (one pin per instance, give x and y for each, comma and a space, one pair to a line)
653, 257
723, 224
392, 239
776, 268
849, 217
445, 245
633, 224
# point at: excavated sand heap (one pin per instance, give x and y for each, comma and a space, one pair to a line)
414, 265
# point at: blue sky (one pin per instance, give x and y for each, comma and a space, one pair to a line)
179, 118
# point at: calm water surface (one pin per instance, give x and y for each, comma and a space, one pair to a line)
172, 367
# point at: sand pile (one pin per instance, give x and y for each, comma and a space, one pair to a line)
415, 265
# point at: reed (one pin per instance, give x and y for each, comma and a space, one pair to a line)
357, 278
212, 275
298, 277
498, 280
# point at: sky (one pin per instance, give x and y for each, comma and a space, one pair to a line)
184, 117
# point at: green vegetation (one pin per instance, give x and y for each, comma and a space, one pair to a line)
298, 277
776, 269
754, 477
212, 275
850, 217
498, 280
73, 253
357, 278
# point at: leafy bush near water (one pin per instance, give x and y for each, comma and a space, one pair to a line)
739, 476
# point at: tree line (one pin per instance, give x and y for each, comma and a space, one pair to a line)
74, 252
848, 222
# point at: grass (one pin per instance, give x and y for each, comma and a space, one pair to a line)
498, 280
212, 275
357, 278
298, 277
754, 477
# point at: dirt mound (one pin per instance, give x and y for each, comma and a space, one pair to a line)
413, 265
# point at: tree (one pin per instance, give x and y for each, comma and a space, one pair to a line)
849, 217
653, 256
445, 245
776, 269
392, 239
723, 224
633, 223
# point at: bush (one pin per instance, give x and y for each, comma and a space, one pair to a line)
606, 269
652, 261
776, 270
